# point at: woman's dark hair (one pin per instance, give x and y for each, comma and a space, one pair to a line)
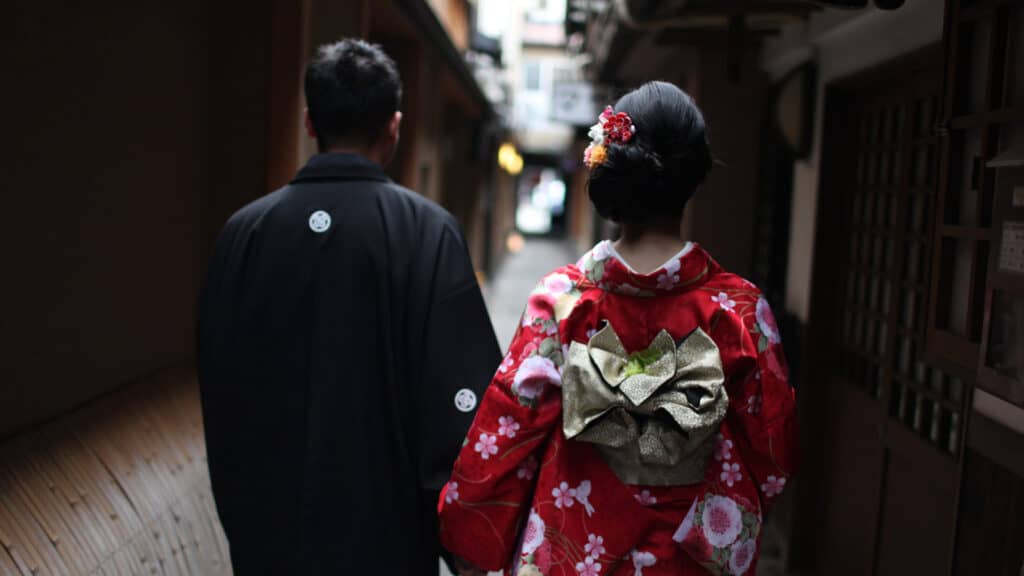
654, 174
352, 91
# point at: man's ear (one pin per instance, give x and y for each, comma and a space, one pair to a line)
309, 124
395, 126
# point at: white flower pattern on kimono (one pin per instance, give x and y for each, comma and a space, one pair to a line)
557, 284
533, 534
754, 404
724, 301
742, 555
601, 252
507, 426
594, 546
644, 498
583, 496
534, 373
670, 277
766, 322
667, 282
487, 446
773, 486
642, 560
722, 521
564, 496
731, 474
506, 364
723, 448
452, 493
589, 567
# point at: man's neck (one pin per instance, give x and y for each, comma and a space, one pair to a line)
368, 153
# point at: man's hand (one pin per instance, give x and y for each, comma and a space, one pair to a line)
466, 569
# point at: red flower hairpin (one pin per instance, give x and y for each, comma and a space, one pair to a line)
611, 128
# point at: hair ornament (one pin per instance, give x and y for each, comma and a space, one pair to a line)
611, 128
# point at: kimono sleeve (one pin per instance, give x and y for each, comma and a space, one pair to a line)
494, 477
763, 409
753, 455
215, 353
460, 354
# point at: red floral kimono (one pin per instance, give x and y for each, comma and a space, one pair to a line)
639, 425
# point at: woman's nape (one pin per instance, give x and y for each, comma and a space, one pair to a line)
645, 247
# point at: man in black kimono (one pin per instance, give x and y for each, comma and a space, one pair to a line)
342, 346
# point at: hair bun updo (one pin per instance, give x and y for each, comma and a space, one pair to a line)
654, 174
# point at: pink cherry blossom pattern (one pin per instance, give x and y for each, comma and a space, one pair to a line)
527, 468
721, 521
644, 498
564, 496
452, 493
487, 446
594, 546
754, 404
666, 281
773, 486
731, 474
506, 364
741, 556
724, 301
723, 448
507, 426
589, 567
670, 278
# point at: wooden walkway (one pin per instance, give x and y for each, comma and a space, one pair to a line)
118, 487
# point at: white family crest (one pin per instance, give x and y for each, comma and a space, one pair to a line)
465, 400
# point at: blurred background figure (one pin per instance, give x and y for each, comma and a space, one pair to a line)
873, 188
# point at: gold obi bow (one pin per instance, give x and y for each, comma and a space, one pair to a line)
652, 415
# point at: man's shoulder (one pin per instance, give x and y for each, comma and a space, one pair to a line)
250, 214
431, 212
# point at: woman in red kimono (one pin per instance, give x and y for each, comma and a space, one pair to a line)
641, 422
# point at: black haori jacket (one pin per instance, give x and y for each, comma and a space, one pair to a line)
342, 343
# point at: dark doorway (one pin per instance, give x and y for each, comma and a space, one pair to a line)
892, 421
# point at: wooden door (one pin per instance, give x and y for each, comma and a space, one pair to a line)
894, 420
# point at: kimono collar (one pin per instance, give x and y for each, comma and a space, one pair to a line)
604, 268
340, 166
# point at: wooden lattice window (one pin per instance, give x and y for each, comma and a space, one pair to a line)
889, 224
978, 99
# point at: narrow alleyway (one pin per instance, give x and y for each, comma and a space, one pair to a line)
516, 277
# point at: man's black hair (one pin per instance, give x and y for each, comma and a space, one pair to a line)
352, 91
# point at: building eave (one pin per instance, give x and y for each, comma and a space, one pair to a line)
425, 19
